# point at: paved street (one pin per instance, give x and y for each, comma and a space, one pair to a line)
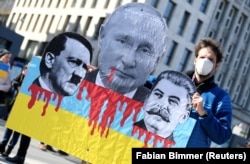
37, 156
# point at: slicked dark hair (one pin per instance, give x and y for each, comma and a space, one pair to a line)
57, 44
178, 78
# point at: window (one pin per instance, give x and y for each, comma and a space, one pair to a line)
86, 25
247, 61
76, 24
244, 72
3, 18
58, 4
245, 98
93, 5
219, 78
247, 2
29, 5
203, 6
226, 58
237, 61
154, 3
246, 65
30, 20
22, 21
5, 43
169, 11
66, 23
211, 34
106, 5
18, 2
41, 48
196, 31
230, 48
36, 3
170, 52
239, 24
221, 40
118, 3
229, 85
65, 4
230, 17
246, 36
183, 23
23, 4
97, 27
49, 4
44, 20
37, 19
31, 47
236, 94
184, 60
229, 52
83, 3
73, 4
221, 5
12, 25
219, 11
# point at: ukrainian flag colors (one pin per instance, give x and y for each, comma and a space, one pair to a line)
95, 125
71, 133
4, 68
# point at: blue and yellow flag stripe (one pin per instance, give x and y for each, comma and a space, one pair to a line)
3, 70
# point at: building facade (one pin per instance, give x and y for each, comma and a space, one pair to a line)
227, 21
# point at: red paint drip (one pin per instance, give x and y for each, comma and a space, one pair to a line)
167, 143
36, 94
136, 107
98, 96
111, 75
79, 94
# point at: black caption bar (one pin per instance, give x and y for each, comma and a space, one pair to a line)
199, 155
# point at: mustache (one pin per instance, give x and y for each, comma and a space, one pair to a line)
75, 79
160, 112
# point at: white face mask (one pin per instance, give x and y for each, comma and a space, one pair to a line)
204, 66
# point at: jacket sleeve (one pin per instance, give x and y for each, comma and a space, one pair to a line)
218, 122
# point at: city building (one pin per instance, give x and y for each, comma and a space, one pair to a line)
9, 39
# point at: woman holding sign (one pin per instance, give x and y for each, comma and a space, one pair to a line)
5, 82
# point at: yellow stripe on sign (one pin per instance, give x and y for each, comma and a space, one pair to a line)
3, 74
71, 133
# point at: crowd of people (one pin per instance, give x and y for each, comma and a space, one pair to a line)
130, 51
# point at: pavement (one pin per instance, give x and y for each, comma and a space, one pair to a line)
37, 156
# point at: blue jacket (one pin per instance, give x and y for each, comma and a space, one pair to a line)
216, 126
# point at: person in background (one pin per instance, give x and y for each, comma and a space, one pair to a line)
64, 63
5, 82
168, 104
211, 104
16, 83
